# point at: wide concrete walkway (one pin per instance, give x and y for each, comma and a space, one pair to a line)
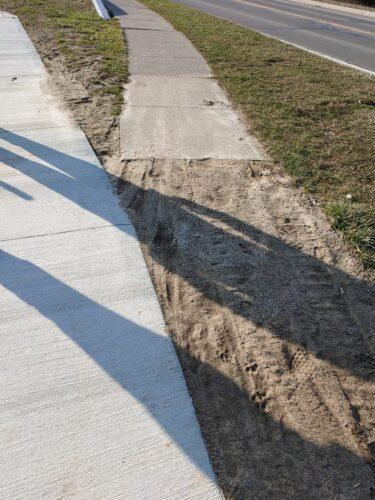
93, 403
175, 109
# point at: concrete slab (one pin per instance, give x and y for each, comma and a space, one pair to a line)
35, 103
11, 34
143, 16
51, 178
136, 10
135, 17
61, 147
171, 91
175, 110
125, 5
186, 133
17, 46
136, 13
147, 23
180, 49
93, 400
12, 63
178, 66
90, 243
11, 30
54, 203
137, 39
137, 24
128, 4
15, 56
5, 80
15, 67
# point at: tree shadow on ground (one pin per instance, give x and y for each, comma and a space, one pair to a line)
106, 335
259, 277
275, 276
269, 283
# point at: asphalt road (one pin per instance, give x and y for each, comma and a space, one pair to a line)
344, 36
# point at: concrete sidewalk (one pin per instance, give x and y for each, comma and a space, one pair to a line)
93, 400
174, 108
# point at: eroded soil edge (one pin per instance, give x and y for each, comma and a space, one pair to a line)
272, 329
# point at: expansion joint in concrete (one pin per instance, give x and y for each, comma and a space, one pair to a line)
174, 107
56, 233
145, 29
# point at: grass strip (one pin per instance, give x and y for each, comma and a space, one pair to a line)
316, 118
73, 29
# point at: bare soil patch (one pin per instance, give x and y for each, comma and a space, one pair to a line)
272, 329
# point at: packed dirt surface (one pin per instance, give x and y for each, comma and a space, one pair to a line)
272, 329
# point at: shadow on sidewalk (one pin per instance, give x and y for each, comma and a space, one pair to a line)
289, 266
106, 345
270, 283
115, 9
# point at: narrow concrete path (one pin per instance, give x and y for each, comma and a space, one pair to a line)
174, 109
93, 402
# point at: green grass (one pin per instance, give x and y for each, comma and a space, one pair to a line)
73, 28
357, 224
316, 118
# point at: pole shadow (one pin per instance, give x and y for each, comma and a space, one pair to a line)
274, 276
15, 191
106, 346
115, 9
264, 278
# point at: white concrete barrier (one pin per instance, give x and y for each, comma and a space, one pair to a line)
100, 9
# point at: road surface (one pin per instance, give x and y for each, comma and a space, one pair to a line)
345, 36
